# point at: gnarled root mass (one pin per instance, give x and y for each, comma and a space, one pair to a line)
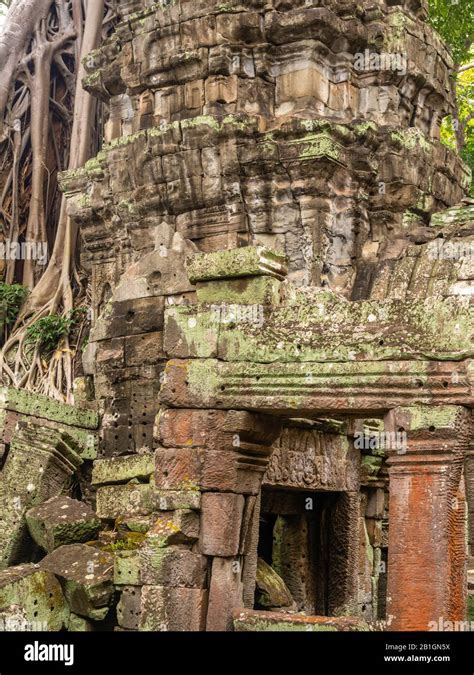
48, 123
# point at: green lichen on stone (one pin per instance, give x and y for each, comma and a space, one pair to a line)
332, 329
136, 523
271, 589
241, 262
238, 122
86, 578
37, 593
204, 380
364, 127
409, 219
37, 405
126, 568
313, 146
190, 332
131, 541
92, 80
426, 417
226, 7
170, 500
78, 624
304, 386
263, 626
410, 139
263, 621
470, 607
242, 291
371, 465
61, 520
394, 39
114, 501
454, 216
122, 469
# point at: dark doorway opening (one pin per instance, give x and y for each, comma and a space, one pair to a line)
297, 539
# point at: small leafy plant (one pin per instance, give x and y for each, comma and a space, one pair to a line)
49, 330
12, 296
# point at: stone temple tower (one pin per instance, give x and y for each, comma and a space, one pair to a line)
281, 331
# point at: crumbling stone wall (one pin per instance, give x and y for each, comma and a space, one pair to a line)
266, 233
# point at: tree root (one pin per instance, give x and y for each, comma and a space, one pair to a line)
46, 123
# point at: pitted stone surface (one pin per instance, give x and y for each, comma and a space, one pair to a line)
61, 520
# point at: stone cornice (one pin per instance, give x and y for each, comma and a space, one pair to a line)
351, 388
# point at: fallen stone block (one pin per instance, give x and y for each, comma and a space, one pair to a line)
78, 624
132, 499
37, 596
13, 619
129, 607
250, 620
86, 576
126, 568
176, 527
39, 466
122, 469
135, 523
271, 589
61, 520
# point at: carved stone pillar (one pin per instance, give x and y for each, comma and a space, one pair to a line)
469, 479
220, 457
427, 517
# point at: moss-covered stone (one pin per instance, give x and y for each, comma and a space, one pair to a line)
36, 405
242, 291
241, 262
86, 576
60, 521
271, 589
126, 568
343, 387
170, 500
132, 499
263, 621
122, 469
37, 593
78, 624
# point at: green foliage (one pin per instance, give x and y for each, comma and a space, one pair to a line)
454, 21
465, 144
468, 156
12, 296
49, 330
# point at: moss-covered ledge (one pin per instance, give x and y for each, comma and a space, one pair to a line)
249, 620
37, 405
18, 405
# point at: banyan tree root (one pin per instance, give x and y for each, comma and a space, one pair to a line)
48, 123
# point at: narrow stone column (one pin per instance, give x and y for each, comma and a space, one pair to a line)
427, 518
219, 457
469, 479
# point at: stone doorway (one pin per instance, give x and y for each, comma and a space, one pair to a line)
297, 540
